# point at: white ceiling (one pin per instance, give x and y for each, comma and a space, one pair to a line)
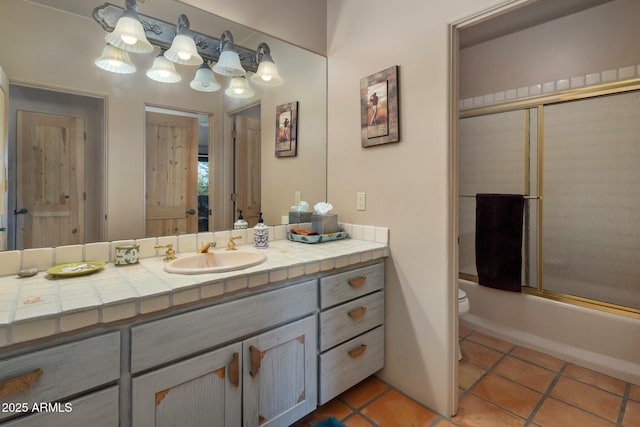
526, 16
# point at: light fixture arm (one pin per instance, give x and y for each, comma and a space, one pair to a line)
161, 33
226, 41
183, 25
263, 52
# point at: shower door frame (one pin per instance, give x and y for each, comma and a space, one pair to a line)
539, 102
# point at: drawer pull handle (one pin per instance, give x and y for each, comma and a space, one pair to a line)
256, 360
358, 351
356, 283
357, 313
234, 373
19, 384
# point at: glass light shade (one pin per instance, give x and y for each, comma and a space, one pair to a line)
183, 51
267, 74
115, 60
163, 71
239, 88
229, 64
205, 80
129, 35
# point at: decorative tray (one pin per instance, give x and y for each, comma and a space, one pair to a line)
75, 268
317, 238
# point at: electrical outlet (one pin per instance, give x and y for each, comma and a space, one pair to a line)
297, 197
361, 203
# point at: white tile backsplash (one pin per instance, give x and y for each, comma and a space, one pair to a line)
609, 75
41, 258
67, 254
97, 252
9, 262
626, 72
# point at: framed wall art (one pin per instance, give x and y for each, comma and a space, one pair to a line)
379, 108
287, 129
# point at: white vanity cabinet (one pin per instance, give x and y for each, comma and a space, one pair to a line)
262, 368
351, 329
56, 384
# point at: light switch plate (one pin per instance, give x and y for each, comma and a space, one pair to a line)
361, 201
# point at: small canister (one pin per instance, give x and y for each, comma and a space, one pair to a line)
127, 254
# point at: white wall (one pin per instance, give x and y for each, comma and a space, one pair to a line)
407, 183
301, 22
597, 39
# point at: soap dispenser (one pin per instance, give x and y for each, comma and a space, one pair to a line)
261, 234
241, 223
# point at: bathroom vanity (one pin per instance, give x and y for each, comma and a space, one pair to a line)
305, 326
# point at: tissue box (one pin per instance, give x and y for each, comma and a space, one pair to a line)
299, 217
324, 224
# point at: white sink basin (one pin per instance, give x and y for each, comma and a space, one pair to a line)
214, 262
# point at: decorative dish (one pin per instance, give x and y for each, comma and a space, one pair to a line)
75, 268
317, 238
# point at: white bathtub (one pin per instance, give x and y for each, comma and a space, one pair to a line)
594, 339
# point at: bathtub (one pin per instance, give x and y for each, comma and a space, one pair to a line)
605, 342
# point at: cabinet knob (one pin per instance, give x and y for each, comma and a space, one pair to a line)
357, 313
358, 282
358, 351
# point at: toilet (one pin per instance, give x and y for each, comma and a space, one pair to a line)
463, 308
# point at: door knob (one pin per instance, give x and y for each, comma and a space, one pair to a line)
191, 212
21, 211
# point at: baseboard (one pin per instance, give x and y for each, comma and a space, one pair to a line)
618, 368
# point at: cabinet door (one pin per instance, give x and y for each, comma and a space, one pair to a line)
204, 391
280, 375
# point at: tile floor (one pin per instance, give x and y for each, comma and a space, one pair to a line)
500, 385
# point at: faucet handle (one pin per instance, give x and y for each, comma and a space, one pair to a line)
231, 246
205, 247
170, 254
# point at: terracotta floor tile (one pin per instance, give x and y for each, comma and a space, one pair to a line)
333, 408
631, 415
394, 409
554, 413
525, 373
507, 395
479, 355
538, 358
634, 394
476, 412
356, 421
596, 379
468, 374
444, 423
587, 397
363, 392
463, 331
486, 340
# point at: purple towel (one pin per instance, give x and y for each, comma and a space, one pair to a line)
499, 240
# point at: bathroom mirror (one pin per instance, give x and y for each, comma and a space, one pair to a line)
52, 45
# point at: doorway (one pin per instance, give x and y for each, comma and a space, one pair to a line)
177, 179
55, 168
246, 193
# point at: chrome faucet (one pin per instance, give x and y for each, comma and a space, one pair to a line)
205, 247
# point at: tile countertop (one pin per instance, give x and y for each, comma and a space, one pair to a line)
41, 306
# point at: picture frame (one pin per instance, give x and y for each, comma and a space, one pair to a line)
379, 118
286, 138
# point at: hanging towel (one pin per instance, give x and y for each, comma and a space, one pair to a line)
499, 240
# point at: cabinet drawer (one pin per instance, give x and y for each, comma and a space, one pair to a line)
169, 339
57, 372
99, 409
350, 363
345, 321
350, 285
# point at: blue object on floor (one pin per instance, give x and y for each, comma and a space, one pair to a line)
330, 422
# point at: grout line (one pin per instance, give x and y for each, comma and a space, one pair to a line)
546, 394
623, 406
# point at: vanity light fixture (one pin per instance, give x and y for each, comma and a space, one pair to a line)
134, 32
183, 48
239, 88
205, 80
163, 70
267, 73
115, 60
128, 33
229, 61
